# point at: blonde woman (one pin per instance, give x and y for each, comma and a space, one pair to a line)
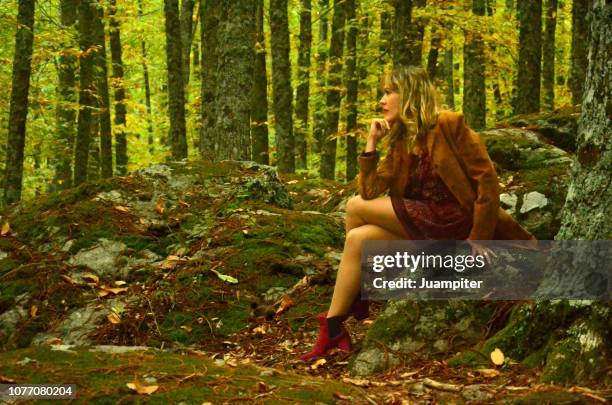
441, 184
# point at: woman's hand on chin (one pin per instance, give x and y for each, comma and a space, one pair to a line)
379, 128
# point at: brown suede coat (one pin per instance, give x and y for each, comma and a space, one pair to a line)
463, 164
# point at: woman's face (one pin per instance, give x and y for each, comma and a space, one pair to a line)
390, 105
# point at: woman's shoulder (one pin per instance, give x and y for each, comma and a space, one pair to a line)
446, 117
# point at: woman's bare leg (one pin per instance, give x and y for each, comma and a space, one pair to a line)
378, 211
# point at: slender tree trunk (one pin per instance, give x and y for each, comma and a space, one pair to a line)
19, 102
235, 80
259, 104
474, 94
93, 162
322, 53
210, 34
303, 89
408, 34
580, 31
530, 56
187, 27
67, 98
352, 86
448, 69
548, 55
281, 83
386, 44
118, 80
334, 92
103, 98
176, 90
432, 57
147, 86
86, 99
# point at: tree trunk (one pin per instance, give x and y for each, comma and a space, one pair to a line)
407, 43
19, 101
352, 84
103, 98
259, 104
187, 7
448, 69
118, 83
67, 98
93, 162
176, 90
530, 56
147, 85
580, 31
86, 100
210, 33
432, 57
318, 129
303, 88
281, 84
474, 93
235, 80
548, 55
334, 92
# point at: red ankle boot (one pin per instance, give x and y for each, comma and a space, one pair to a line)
325, 344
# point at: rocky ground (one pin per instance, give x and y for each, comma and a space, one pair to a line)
213, 273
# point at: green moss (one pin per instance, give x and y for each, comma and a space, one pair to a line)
387, 329
7, 265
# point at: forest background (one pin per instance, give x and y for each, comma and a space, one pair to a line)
489, 59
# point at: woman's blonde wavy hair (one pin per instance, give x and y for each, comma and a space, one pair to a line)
419, 109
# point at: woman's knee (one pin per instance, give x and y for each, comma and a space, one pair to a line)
353, 205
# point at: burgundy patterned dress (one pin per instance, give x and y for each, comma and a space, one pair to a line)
428, 209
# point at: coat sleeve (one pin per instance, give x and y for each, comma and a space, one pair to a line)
371, 181
481, 172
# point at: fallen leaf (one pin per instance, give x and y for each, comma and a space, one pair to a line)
119, 283
6, 380
54, 341
114, 291
497, 357
160, 207
121, 208
225, 277
142, 389
33, 311
260, 330
6, 228
187, 328
170, 262
261, 386
103, 293
292, 181
285, 304
68, 279
318, 363
339, 395
488, 372
356, 381
89, 276
113, 318
184, 204
441, 386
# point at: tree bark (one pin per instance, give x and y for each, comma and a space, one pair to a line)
548, 55
474, 93
407, 43
334, 92
352, 85
432, 57
210, 34
580, 30
22, 67
121, 158
86, 100
530, 56
187, 27
281, 84
259, 104
102, 96
235, 80
67, 98
303, 88
176, 90
448, 71
147, 86
321, 58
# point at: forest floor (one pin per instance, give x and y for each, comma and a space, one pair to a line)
215, 290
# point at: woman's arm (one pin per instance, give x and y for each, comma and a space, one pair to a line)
371, 181
480, 171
